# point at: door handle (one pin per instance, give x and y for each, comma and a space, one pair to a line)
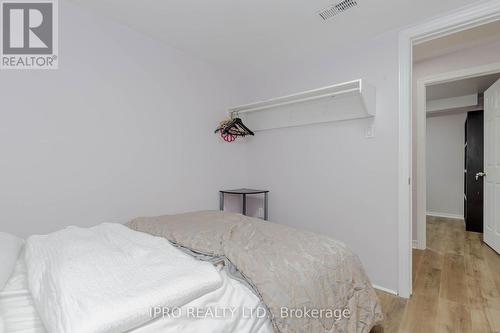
480, 174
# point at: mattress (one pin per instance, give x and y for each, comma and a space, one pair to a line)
18, 314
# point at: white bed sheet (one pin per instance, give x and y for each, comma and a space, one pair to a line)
18, 313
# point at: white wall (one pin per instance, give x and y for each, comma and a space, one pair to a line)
329, 178
472, 57
445, 164
123, 128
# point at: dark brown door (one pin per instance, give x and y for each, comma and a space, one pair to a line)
474, 166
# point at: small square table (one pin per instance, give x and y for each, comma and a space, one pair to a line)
244, 192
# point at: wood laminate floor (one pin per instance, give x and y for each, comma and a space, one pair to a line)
456, 285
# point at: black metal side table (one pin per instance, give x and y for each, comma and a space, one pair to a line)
244, 192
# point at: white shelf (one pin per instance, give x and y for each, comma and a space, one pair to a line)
350, 100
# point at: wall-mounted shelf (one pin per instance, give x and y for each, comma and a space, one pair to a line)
350, 100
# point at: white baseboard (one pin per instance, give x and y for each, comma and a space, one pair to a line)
389, 291
415, 244
446, 215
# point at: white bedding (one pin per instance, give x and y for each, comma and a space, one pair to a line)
107, 278
18, 313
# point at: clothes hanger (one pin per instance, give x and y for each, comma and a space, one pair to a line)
240, 124
232, 128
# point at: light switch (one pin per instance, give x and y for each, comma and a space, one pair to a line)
370, 131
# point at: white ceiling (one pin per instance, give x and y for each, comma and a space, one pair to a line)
254, 33
462, 87
465, 39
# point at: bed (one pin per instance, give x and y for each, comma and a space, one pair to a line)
197, 272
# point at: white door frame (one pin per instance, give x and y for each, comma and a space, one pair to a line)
463, 19
421, 192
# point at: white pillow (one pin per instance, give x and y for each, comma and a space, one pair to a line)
10, 246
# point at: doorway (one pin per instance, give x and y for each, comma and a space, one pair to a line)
456, 272
453, 97
455, 149
454, 71
468, 18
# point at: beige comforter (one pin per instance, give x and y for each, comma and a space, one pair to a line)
310, 283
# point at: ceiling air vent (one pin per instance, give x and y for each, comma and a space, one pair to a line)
336, 9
